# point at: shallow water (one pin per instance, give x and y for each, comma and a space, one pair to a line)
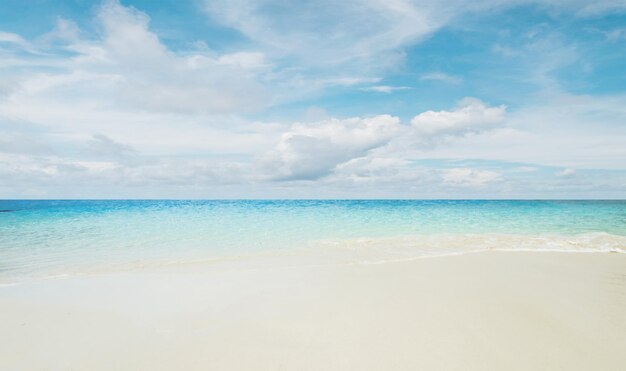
50, 238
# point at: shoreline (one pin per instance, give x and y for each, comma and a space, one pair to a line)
476, 311
361, 250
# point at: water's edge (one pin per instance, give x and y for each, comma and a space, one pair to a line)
59, 238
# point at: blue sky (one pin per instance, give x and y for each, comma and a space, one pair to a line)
290, 99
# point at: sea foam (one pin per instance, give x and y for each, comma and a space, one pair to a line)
406, 247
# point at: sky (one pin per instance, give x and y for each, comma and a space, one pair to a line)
319, 99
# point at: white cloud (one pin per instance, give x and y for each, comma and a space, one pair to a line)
328, 32
470, 116
11, 38
616, 34
245, 60
358, 146
128, 68
118, 108
566, 173
372, 167
526, 169
385, 88
594, 8
64, 30
557, 130
470, 177
104, 147
312, 150
440, 76
361, 35
314, 113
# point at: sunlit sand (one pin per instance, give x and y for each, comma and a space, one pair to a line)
479, 311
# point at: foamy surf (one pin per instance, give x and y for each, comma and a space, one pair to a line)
408, 247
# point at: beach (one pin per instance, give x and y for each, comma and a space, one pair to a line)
477, 311
255, 185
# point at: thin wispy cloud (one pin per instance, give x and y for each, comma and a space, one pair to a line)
385, 88
440, 76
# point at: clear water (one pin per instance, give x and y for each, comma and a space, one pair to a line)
49, 238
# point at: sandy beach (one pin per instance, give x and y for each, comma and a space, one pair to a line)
481, 311
258, 185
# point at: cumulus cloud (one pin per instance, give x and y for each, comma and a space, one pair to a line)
317, 149
312, 150
470, 116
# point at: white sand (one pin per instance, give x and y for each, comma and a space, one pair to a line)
484, 311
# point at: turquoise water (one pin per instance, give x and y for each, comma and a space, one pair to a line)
45, 238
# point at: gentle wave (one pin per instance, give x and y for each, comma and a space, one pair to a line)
398, 248
375, 250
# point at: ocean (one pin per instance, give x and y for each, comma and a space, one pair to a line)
42, 239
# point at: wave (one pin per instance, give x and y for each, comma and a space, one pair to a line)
364, 250
399, 248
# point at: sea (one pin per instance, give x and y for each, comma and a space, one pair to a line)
44, 239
